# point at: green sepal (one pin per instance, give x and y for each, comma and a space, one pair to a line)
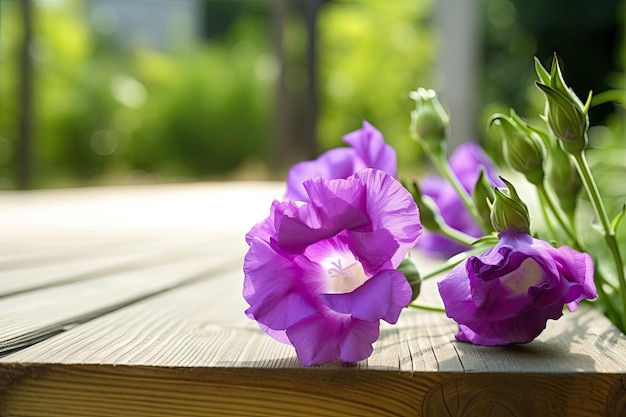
618, 218
483, 197
408, 268
542, 73
509, 210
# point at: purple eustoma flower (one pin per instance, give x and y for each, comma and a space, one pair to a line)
507, 294
320, 275
368, 150
466, 162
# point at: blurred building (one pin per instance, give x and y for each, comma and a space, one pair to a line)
155, 24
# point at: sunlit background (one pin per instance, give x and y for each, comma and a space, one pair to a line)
99, 92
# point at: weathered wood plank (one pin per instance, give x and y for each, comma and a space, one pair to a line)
28, 317
193, 349
170, 338
76, 264
39, 390
203, 325
212, 207
37, 248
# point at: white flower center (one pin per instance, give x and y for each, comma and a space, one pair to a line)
527, 275
344, 274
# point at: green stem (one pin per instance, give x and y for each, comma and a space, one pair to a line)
609, 234
558, 213
454, 261
544, 211
611, 309
427, 308
444, 169
456, 235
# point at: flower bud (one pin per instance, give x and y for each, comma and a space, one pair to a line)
429, 120
565, 113
509, 210
563, 179
522, 148
483, 197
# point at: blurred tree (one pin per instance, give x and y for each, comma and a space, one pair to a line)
105, 114
372, 54
25, 146
585, 36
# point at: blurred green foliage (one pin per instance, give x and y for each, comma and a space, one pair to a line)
587, 36
372, 54
105, 113
108, 113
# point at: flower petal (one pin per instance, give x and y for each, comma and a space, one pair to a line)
391, 207
335, 205
381, 297
272, 288
371, 150
335, 163
329, 337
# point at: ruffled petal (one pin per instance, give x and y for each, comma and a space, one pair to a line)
465, 334
329, 337
456, 294
336, 205
381, 297
577, 268
272, 288
335, 163
371, 150
391, 207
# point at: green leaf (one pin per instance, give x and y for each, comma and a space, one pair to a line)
543, 75
588, 103
408, 268
618, 218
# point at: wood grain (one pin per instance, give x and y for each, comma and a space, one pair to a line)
101, 390
166, 335
29, 317
86, 263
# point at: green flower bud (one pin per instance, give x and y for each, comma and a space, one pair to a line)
563, 179
565, 113
509, 210
522, 148
429, 120
483, 197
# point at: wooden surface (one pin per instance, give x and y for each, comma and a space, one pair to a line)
126, 301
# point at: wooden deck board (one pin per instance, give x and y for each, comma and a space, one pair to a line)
169, 336
76, 264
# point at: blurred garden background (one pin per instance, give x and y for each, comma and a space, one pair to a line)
97, 92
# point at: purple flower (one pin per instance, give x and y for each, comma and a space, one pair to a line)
507, 294
368, 150
466, 162
320, 275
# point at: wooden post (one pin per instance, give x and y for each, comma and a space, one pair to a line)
458, 67
25, 146
295, 120
282, 110
310, 137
